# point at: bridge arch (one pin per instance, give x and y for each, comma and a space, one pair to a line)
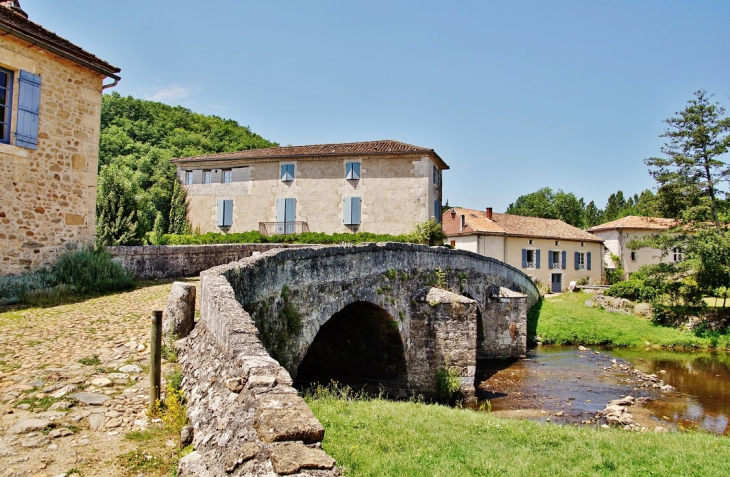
291, 296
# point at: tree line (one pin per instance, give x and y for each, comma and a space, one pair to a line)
138, 195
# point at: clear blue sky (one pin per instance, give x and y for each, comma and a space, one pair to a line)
513, 95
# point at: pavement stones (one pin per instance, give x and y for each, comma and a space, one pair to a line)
92, 399
29, 425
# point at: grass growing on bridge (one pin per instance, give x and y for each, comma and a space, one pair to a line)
565, 320
375, 437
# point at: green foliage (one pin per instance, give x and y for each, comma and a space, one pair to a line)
693, 176
447, 381
616, 274
303, 238
137, 139
179, 211
391, 274
77, 273
441, 278
429, 232
119, 201
92, 361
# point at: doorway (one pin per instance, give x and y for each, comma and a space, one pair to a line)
557, 282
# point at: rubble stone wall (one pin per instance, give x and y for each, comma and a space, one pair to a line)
48, 195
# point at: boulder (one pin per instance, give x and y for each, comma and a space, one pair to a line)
179, 316
291, 457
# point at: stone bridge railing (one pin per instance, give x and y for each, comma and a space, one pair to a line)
248, 418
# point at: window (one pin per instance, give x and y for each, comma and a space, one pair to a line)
582, 244
678, 255
633, 256
453, 243
6, 107
462, 222
286, 216
206, 177
435, 175
530, 242
582, 260
555, 259
287, 172
188, 177
352, 171
351, 211
227, 176
530, 261
557, 242
225, 213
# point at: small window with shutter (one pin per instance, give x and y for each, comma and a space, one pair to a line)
351, 211
227, 176
189, 177
6, 107
225, 213
352, 171
287, 172
206, 177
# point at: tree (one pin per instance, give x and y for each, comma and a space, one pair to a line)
179, 211
536, 204
693, 174
118, 201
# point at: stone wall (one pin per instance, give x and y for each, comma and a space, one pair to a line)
174, 261
48, 195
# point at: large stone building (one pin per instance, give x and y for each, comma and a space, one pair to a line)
50, 110
377, 186
618, 233
549, 251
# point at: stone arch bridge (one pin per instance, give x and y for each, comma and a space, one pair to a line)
379, 315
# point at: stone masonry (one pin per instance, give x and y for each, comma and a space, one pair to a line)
48, 195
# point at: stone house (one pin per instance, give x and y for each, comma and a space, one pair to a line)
378, 186
549, 251
617, 234
50, 110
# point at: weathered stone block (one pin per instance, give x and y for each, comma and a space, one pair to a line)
179, 316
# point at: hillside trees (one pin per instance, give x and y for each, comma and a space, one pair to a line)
137, 140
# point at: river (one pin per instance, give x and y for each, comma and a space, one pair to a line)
563, 384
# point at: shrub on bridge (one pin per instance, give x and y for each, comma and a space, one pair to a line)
317, 238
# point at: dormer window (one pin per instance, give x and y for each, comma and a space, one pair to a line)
462, 222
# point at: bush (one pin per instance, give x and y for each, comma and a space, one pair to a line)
78, 272
303, 238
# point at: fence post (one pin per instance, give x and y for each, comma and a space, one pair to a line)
155, 357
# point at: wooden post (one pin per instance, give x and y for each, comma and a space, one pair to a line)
155, 357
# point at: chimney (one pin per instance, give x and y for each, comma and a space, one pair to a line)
489, 213
13, 5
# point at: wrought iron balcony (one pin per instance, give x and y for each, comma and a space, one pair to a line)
282, 228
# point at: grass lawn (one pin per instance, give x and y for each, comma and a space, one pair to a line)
385, 438
566, 320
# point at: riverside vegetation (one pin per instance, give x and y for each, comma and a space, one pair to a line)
566, 320
377, 437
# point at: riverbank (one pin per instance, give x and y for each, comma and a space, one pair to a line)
378, 437
566, 320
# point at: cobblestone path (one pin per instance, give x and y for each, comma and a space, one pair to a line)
74, 381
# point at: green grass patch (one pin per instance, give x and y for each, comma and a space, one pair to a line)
566, 320
91, 361
36, 403
375, 437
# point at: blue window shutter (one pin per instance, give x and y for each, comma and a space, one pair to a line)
356, 170
437, 210
565, 259
280, 209
356, 205
550, 259
227, 213
29, 102
291, 210
577, 260
221, 213
348, 171
347, 211
588, 260
537, 258
435, 175
524, 258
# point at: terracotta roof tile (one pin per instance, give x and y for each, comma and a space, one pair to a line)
636, 222
476, 221
16, 23
318, 150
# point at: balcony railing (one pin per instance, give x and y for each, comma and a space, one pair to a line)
282, 228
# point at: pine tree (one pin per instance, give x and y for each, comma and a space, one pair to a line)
179, 211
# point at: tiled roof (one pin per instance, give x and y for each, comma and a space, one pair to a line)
636, 222
17, 25
388, 146
476, 221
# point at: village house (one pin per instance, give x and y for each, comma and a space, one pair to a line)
50, 111
549, 251
383, 187
617, 234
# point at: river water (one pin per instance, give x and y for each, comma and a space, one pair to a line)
563, 384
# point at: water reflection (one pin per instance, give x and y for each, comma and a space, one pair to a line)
563, 379
703, 379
